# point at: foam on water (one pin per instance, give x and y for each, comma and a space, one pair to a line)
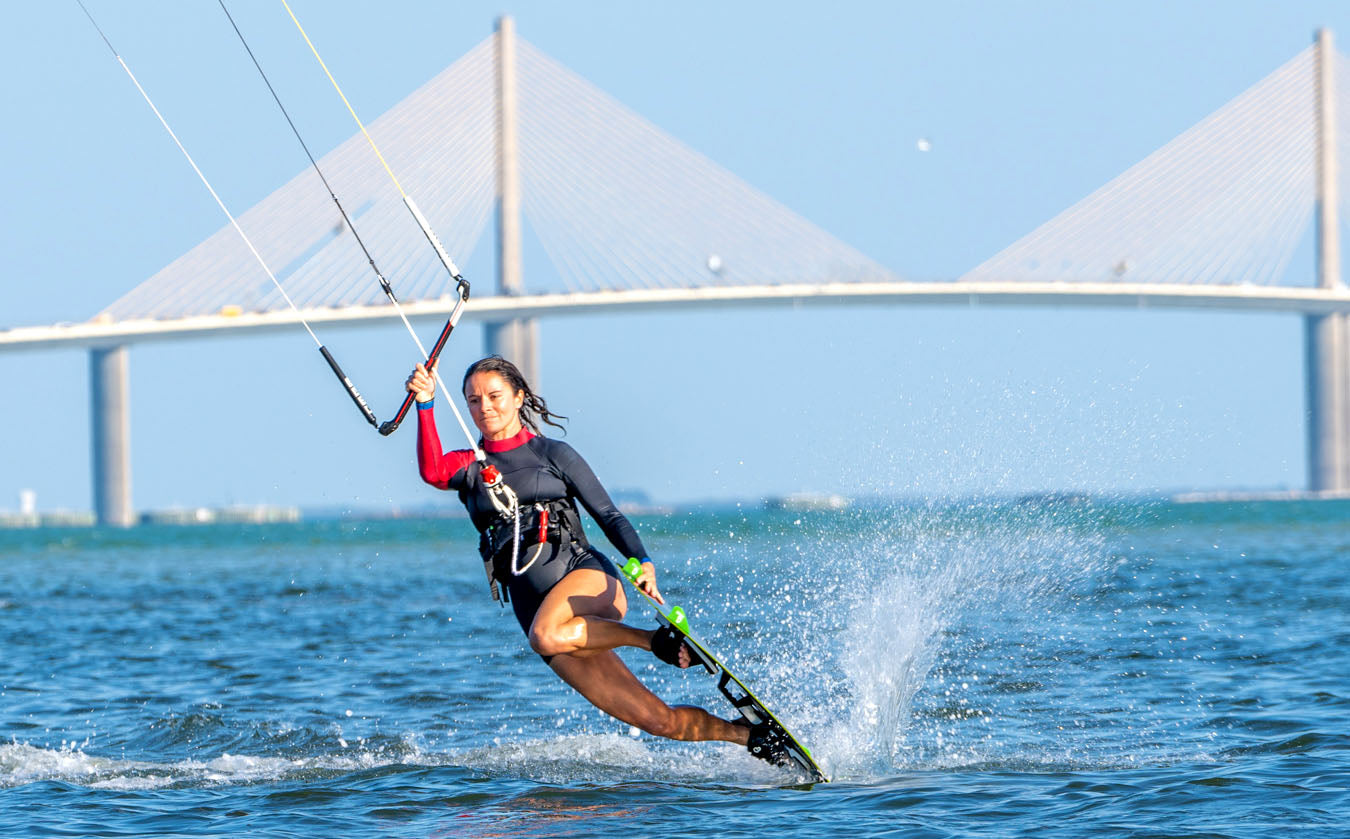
572, 758
615, 758
21, 763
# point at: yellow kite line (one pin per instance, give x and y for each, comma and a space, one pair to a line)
417, 214
407, 199
338, 88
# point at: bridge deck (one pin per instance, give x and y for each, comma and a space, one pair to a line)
1129, 295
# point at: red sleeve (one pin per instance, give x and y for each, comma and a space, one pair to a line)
437, 467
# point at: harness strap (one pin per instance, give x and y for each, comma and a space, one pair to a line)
539, 546
507, 504
556, 522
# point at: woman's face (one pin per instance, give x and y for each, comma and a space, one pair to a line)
494, 405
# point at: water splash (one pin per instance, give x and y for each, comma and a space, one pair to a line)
873, 633
890, 647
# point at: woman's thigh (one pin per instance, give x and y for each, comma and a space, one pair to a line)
583, 592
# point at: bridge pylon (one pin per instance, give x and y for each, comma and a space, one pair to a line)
1211, 219
1325, 336
110, 422
516, 340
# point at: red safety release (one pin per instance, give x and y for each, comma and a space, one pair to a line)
543, 526
491, 477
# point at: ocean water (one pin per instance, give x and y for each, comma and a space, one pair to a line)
1064, 668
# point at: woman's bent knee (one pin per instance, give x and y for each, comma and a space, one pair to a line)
556, 640
542, 644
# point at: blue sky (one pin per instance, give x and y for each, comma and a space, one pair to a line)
1028, 106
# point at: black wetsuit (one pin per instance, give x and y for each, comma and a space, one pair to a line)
539, 470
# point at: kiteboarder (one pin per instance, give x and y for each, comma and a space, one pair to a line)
567, 596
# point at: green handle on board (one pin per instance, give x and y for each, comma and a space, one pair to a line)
632, 569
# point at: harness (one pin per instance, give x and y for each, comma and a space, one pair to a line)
555, 522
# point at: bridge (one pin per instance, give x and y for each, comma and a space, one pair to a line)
634, 220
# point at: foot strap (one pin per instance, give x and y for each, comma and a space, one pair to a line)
666, 644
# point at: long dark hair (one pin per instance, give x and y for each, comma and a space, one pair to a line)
533, 409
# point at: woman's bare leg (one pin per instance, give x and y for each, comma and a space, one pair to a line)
610, 686
578, 624
582, 615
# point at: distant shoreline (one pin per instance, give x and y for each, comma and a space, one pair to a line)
821, 503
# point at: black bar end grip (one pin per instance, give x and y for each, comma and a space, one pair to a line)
351, 389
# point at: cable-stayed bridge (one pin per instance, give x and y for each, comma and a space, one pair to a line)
633, 219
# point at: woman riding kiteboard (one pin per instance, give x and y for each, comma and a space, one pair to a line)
566, 595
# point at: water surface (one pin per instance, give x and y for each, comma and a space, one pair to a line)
1057, 669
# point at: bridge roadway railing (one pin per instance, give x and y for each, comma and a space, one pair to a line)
1290, 299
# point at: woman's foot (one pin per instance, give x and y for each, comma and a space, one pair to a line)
768, 744
668, 644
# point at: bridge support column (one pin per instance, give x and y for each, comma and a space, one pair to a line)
110, 422
516, 340
1325, 349
1325, 336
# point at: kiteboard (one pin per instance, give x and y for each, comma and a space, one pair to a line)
741, 697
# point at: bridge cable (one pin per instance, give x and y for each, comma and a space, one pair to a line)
1225, 202
463, 285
